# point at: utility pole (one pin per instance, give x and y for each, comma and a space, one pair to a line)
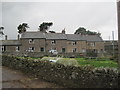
118, 14
113, 44
109, 38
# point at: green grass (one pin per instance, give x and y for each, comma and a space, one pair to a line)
97, 63
104, 62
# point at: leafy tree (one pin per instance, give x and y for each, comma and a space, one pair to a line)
83, 31
80, 30
45, 26
1, 28
22, 27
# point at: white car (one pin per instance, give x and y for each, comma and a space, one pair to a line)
53, 52
52, 60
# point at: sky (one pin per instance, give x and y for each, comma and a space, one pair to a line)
94, 16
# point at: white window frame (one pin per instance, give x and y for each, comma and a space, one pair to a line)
17, 48
74, 50
31, 41
30, 49
53, 42
83, 50
92, 44
74, 43
3, 48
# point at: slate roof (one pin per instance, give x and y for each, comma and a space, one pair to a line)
33, 35
92, 38
61, 36
74, 37
55, 36
11, 42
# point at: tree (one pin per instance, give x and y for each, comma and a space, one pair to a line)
83, 31
80, 30
22, 27
1, 28
45, 26
1, 32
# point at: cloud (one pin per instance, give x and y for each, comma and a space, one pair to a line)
93, 16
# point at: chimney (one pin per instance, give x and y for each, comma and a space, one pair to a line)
18, 37
63, 31
5, 37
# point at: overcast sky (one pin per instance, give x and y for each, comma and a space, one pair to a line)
95, 16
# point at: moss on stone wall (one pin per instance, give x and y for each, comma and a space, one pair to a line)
68, 76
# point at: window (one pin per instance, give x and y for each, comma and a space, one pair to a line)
31, 41
63, 49
53, 42
98, 51
92, 44
17, 48
74, 50
74, 43
3, 48
42, 49
31, 49
95, 51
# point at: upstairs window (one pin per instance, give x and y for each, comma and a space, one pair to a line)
31, 41
17, 48
74, 43
92, 44
53, 42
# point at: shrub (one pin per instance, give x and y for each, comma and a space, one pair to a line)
48, 58
67, 62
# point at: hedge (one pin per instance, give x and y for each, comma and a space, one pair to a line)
68, 76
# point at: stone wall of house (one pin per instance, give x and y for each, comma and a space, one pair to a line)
10, 48
95, 45
37, 44
80, 46
58, 45
46, 45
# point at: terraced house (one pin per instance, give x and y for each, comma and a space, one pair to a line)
63, 43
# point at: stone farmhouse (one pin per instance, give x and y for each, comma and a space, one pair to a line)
39, 42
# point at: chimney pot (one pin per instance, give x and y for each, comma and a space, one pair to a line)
5, 37
63, 31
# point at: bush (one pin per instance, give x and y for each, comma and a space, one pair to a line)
48, 58
68, 62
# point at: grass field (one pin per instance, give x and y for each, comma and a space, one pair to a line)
97, 63
81, 62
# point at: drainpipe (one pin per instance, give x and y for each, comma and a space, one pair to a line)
18, 37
